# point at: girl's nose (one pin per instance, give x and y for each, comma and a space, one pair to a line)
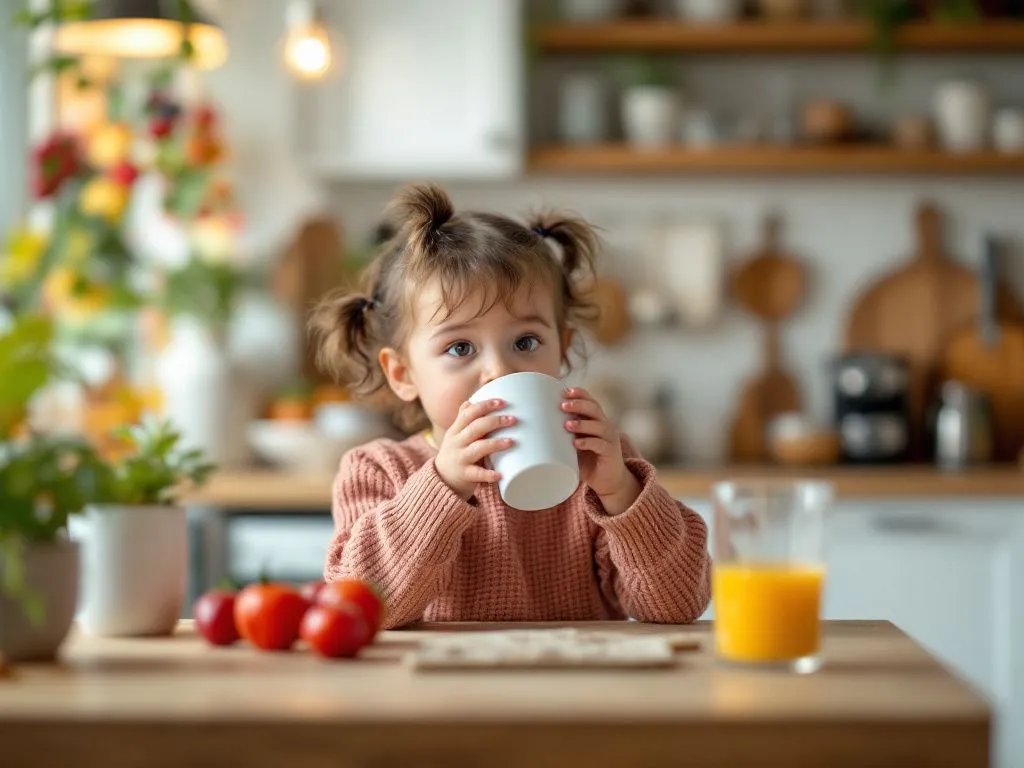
496, 368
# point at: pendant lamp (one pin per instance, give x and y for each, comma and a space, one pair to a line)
142, 29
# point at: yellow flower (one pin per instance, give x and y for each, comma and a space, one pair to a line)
105, 198
79, 245
67, 296
20, 256
109, 145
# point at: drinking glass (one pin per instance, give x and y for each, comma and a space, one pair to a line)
769, 572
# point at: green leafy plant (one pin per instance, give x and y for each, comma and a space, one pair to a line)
44, 479
888, 16
649, 71
205, 289
155, 469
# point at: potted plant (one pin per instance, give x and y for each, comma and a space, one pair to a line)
135, 536
649, 102
43, 481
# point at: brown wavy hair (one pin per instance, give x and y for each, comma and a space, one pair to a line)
464, 252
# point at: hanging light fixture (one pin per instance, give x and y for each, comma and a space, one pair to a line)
142, 29
307, 48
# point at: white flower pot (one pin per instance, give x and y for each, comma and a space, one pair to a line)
51, 574
962, 115
708, 11
199, 393
134, 569
589, 10
649, 116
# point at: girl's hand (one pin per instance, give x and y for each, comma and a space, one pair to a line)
600, 451
466, 444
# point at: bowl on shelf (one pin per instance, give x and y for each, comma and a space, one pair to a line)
796, 440
297, 446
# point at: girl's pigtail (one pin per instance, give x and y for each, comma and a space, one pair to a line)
424, 209
340, 326
578, 244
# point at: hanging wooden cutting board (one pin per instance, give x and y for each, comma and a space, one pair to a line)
313, 265
912, 310
989, 356
770, 286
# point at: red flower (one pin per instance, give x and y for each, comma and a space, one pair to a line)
53, 162
161, 127
124, 173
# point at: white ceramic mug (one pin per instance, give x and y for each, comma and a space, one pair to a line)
541, 470
134, 569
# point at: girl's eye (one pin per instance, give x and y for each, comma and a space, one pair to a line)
459, 349
527, 343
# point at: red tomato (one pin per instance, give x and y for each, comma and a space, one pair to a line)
214, 614
269, 615
335, 632
310, 590
358, 593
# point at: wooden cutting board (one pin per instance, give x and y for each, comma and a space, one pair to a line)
989, 356
769, 285
312, 265
912, 310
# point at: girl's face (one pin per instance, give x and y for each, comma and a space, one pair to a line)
446, 359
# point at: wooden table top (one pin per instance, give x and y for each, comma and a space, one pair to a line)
282, 491
176, 701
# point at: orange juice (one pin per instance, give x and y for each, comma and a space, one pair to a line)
766, 613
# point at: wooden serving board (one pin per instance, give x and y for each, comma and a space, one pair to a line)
549, 649
989, 356
912, 310
770, 285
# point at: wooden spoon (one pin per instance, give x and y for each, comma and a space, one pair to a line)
770, 286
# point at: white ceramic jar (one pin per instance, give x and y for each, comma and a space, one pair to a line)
962, 115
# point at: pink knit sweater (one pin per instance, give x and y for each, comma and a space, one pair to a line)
439, 558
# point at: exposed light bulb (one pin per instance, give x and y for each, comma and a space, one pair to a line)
307, 48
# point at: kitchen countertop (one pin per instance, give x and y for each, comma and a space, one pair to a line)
274, 490
879, 699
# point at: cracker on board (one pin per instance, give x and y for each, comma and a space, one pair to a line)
549, 648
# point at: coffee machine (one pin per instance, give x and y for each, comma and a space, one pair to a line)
870, 407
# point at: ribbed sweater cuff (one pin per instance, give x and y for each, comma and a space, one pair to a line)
434, 517
651, 529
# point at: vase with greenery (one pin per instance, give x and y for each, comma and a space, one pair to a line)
650, 103
135, 535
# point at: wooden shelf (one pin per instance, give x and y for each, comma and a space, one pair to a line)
1004, 35
875, 159
267, 490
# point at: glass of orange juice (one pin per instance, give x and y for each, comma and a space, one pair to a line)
768, 572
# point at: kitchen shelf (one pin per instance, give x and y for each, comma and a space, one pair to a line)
874, 159
1003, 35
274, 491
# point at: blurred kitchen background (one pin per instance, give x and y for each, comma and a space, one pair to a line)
813, 213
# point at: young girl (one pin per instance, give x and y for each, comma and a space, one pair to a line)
452, 302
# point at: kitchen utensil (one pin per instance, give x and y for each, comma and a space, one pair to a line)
962, 115
869, 393
770, 286
963, 427
693, 270
796, 439
911, 311
541, 469
826, 121
990, 358
312, 266
1008, 130
612, 310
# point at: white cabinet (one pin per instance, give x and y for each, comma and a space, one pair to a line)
425, 88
